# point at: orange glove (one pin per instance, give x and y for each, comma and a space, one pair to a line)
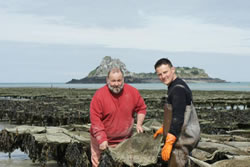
158, 132
167, 149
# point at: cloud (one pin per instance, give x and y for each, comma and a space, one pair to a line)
55, 40
130, 13
163, 33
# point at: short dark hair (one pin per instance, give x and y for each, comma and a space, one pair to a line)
163, 61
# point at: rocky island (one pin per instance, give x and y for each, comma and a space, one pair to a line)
99, 74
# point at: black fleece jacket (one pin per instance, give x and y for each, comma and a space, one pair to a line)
179, 97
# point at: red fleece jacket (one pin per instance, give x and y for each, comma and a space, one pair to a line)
112, 116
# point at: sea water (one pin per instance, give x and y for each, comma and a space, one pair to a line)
228, 86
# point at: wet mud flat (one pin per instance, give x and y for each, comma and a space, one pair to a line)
223, 115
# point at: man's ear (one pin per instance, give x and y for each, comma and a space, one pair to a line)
173, 69
107, 80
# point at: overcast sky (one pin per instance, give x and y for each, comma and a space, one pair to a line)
57, 40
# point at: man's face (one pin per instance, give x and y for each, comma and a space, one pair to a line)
115, 82
166, 73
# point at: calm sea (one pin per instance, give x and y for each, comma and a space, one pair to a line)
230, 86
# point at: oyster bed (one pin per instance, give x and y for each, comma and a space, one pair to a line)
223, 115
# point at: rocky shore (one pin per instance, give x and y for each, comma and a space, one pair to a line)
223, 115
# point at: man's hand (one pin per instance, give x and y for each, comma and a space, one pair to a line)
103, 145
139, 129
167, 148
158, 132
140, 119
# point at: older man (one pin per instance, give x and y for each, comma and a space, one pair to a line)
112, 111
